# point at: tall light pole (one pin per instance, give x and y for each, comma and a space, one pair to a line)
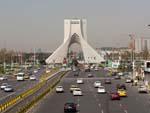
132, 47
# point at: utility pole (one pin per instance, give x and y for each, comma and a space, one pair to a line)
132, 47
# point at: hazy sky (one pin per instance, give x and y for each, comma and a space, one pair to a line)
28, 24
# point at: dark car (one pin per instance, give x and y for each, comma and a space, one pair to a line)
121, 86
90, 75
70, 107
107, 81
114, 73
76, 73
87, 70
114, 96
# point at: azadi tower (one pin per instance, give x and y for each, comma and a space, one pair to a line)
75, 32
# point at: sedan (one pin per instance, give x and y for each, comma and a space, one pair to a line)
101, 89
3, 78
90, 75
77, 92
3, 85
8, 88
32, 77
97, 84
107, 81
80, 81
121, 86
142, 89
70, 107
114, 96
128, 80
122, 93
59, 89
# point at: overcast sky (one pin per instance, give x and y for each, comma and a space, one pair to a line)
28, 24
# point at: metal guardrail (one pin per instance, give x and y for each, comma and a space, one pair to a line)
22, 96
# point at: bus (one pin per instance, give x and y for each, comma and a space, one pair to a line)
20, 76
147, 66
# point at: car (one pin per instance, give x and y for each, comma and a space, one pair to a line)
73, 87
3, 78
117, 77
142, 89
87, 70
79, 81
77, 92
96, 69
101, 89
114, 96
8, 88
120, 73
107, 81
122, 93
114, 73
90, 75
48, 71
32, 77
97, 84
4, 85
128, 80
59, 89
76, 73
35, 71
70, 107
121, 86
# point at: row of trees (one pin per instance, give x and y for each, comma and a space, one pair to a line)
127, 55
9, 56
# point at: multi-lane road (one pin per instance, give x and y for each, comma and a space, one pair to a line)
91, 102
18, 86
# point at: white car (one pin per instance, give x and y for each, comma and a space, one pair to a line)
3, 78
59, 89
35, 71
120, 73
77, 92
80, 81
96, 69
142, 89
97, 84
101, 89
128, 80
3, 85
32, 77
8, 88
48, 71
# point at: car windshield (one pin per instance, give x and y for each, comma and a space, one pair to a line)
101, 87
8, 86
59, 86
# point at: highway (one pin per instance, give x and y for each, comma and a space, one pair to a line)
91, 102
18, 86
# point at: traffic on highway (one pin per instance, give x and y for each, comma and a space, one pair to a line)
99, 93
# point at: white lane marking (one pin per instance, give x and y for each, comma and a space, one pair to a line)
99, 105
7, 96
120, 105
125, 111
102, 111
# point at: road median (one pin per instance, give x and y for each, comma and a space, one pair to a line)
14, 102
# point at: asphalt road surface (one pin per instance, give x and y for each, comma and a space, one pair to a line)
18, 86
91, 102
